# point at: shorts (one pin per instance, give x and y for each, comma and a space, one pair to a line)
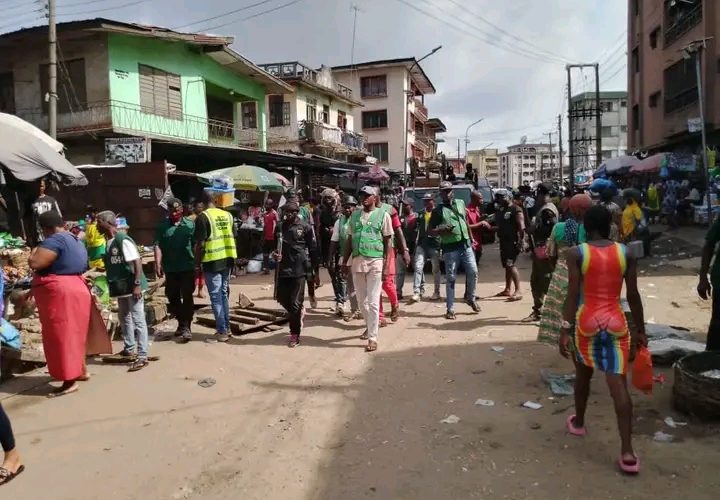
508, 254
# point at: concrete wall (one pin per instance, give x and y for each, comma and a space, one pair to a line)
396, 105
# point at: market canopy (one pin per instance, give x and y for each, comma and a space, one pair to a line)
679, 162
246, 178
29, 154
616, 165
375, 173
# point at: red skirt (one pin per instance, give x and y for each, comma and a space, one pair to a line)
63, 304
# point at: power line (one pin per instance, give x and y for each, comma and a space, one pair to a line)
130, 4
224, 14
16, 22
262, 13
613, 44
22, 6
86, 2
501, 30
487, 41
607, 79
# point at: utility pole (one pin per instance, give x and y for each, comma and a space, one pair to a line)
552, 165
560, 168
584, 113
458, 151
356, 9
52, 70
598, 119
571, 148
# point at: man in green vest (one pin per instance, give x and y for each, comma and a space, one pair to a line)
338, 240
126, 282
449, 222
175, 260
215, 255
369, 244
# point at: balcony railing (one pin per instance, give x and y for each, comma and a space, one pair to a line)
323, 133
299, 70
685, 21
420, 110
132, 119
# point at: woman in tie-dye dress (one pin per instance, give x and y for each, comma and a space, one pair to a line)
597, 270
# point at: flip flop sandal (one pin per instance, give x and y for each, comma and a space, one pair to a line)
514, 298
364, 336
6, 476
502, 294
629, 468
69, 390
575, 431
138, 365
371, 347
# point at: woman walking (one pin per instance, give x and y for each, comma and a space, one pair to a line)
564, 236
600, 338
63, 302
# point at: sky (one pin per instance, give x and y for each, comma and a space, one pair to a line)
502, 61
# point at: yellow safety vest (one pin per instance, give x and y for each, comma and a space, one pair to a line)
221, 243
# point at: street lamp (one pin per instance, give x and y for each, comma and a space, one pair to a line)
407, 99
467, 130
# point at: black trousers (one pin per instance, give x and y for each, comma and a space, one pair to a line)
179, 289
713, 336
291, 295
542, 270
7, 440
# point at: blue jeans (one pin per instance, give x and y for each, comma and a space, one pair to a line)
421, 257
452, 260
218, 286
131, 313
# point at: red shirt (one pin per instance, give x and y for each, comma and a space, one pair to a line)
475, 215
270, 222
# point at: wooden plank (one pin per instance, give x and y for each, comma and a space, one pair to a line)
274, 312
244, 320
235, 327
255, 314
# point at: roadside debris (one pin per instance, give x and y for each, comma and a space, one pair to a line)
485, 402
532, 405
560, 384
206, 382
715, 374
662, 437
670, 422
497, 348
451, 419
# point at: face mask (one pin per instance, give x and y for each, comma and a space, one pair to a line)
175, 217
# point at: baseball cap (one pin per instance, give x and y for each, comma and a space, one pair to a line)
350, 200
174, 204
368, 190
428, 196
444, 185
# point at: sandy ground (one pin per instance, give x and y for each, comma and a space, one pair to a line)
328, 421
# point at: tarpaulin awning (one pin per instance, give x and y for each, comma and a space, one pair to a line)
648, 165
618, 164
679, 162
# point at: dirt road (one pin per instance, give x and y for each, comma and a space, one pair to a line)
328, 421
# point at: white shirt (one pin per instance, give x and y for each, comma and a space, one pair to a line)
336, 232
362, 264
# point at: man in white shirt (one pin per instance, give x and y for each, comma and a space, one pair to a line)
369, 244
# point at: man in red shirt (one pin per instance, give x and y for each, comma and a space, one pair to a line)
270, 220
476, 222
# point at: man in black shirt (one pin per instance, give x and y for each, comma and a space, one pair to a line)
510, 229
298, 245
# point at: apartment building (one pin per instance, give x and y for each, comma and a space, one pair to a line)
485, 163
524, 163
317, 117
662, 81
613, 128
393, 117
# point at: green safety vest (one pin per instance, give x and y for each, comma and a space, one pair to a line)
343, 232
457, 220
221, 243
120, 274
368, 239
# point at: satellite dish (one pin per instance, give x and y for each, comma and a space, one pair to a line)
523, 140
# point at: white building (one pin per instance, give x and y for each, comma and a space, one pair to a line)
613, 130
485, 162
393, 115
524, 163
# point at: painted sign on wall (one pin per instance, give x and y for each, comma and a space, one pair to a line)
127, 149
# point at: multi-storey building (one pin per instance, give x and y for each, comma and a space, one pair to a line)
613, 128
318, 117
393, 116
485, 163
662, 79
524, 163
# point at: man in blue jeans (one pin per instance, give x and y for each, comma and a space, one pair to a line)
428, 248
449, 222
215, 254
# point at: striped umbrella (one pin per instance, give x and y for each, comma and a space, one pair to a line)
246, 178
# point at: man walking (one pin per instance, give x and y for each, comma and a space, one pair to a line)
428, 248
126, 282
312, 278
511, 228
215, 255
175, 260
477, 223
270, 220
449, 222
543, 265
298, 246
398, 241
369, 244
408, 221
338, 241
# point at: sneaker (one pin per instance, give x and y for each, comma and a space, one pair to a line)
313, 303
415, 298
450, 315
186, 336
340, 310
534, 317
218, 337
294, 341
138, 364
473, 305
127, 354
357, 315
435, 296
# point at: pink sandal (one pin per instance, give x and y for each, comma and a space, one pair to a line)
575, 431
629, 468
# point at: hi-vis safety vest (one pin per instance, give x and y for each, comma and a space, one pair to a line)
367, 239
456, 218
220, 244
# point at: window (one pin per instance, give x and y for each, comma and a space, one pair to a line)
680, 85
373, 86
654, 35
654, 99
606, 131
623, 104
249, 114
374, 119
7, 93
342, 120
606, 155
311, 110
379, 150
636, 117
160, 92
623, 129
71, 86
279, 111
326, 114
607, 106
636, 60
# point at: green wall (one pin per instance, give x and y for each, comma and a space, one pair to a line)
195, 69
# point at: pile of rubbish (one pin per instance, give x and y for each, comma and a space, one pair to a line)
668, 344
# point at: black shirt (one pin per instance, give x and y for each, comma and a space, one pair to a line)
202, 233
299, 250
506, 220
